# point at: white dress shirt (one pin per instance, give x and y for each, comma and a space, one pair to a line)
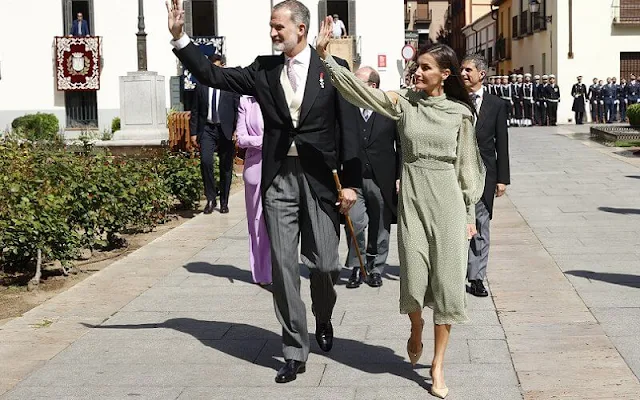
478, 102
366, 114
209, 116
300, 67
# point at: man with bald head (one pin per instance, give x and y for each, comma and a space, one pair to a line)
375, 206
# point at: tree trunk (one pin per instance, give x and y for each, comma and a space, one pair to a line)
36, 278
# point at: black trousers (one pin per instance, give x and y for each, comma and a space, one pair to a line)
579, 117
213, 141
552, 109
541, 113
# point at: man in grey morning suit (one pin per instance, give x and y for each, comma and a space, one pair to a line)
493, 142
302, 145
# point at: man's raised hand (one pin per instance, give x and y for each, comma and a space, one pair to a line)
175, 18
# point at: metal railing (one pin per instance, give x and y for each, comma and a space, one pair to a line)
625, 12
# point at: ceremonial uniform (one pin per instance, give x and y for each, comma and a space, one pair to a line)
609, 95
552, 96
633, 92
579, 91
528, 103
623, 100
594, 99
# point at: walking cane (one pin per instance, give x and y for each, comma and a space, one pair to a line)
363, 271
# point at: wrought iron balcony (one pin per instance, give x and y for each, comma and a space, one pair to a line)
626, 12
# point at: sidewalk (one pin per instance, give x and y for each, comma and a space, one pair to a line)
179, 318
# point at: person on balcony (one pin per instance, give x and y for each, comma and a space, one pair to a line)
339, 30
79, 27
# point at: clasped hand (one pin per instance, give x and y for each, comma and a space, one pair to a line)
346, 199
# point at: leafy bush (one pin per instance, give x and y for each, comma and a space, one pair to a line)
183, 178
37, 126
59, 202
633, 113
115, 125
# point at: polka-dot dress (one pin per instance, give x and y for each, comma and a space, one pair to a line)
442, 180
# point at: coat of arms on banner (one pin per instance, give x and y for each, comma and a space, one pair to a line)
78, 63
208, 45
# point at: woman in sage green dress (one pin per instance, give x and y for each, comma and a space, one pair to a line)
442, 180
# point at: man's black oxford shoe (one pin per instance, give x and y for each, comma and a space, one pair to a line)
224, 209
477, 289
355, 280
290, 370
374, 280
324, 335
208, 209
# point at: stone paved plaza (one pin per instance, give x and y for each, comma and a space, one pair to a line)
179, 318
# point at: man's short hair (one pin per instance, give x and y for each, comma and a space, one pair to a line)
218, 57
478, 60
299, 12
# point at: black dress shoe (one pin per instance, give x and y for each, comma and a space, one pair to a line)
224, 209
355, 280
374, 280
477, 289
324, 335
289, 372
208, 209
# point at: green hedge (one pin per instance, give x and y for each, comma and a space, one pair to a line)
60, 202
633, 113
37, 127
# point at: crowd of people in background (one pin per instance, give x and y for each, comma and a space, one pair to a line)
609, 102
529, 103
535, 102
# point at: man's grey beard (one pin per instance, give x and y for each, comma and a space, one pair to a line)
278, 46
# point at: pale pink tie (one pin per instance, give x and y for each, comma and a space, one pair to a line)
292, 75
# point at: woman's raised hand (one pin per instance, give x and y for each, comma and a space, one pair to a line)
326, 30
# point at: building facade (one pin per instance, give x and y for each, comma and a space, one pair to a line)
425, 20
480, 39
27, 70
462, 14
570, 38
503, 37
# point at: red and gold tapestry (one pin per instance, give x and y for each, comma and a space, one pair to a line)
78, 63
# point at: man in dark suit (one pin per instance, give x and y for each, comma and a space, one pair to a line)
212, 123
376, 205
493, 142
303, 144
79, 27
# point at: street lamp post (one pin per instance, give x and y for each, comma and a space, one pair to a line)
142, 39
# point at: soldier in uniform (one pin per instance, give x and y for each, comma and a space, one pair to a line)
518, 100
616, 101
623, 99
594, 95
634, 90
516, 111
609, 95
505, 94
537, 99
543, 100
552, 95
579, 92
527, 100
